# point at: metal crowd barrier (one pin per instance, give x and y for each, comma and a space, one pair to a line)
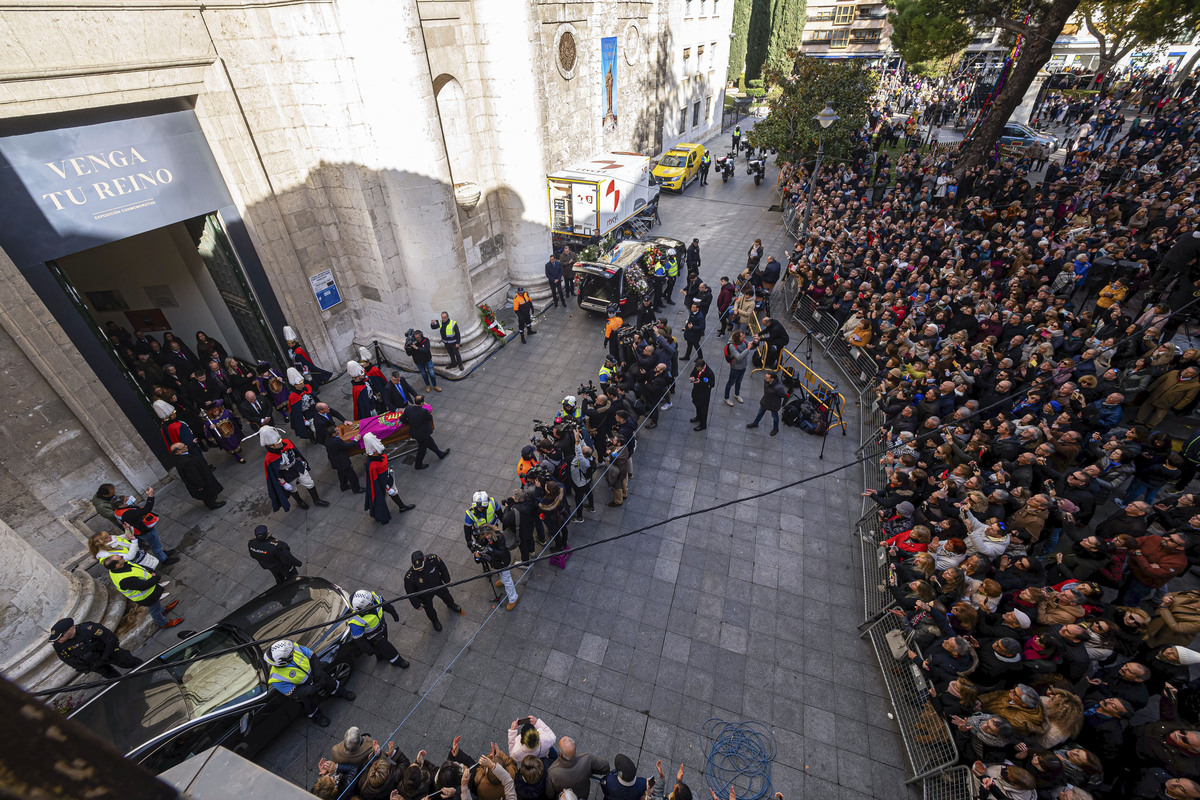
928, 743
816, 386
875, 566
926, 736
956, 783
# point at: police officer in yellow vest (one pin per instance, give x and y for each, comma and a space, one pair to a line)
369, 629
672, 274
608, 372
483, 510
143, 587
656, 281
451, 339
297, 673
737, 138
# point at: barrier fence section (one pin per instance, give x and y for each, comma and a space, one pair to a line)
927, 738
816, 386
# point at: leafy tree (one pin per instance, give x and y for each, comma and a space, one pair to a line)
737, 46
790, 127
1122, 25
941, 33
787, 29
758, 37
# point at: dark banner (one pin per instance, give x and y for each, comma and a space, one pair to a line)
69, 189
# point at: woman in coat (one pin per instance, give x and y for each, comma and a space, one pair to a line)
553, 507
1176, 621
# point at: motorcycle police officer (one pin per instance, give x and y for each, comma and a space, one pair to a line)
296, 673
672, 274
369, 628
429, 574
273, 555
483, 510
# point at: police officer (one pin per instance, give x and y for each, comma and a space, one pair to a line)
672, 274
429, 574
483, 510
609, 371
737, 138
451, 339
705, 163
571, 409
369, 628
90, 647
296, 673
656, 281
273, 555
526, 462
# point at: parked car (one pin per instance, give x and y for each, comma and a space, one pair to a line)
678, 166
1015, 133
608, 281
161, 717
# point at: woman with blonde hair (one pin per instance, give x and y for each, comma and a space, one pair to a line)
104, 544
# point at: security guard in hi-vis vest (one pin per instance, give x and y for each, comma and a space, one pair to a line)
369, 628
296, 672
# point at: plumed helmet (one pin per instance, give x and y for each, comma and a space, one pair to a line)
569, 400
362, 599
268, 436
294, 377
163, 409
280, 652
364, 354
289, 333
355, 369
372, 445
480, 498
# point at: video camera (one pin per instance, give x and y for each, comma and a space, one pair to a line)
538, 472
588, 390
545, 429
410, 337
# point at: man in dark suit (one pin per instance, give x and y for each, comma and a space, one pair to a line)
255, 411
420, 429
339, 452
398, 393
326, 421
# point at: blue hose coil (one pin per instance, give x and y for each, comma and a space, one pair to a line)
739, 757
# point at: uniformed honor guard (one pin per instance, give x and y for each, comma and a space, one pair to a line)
429, 572
301, 406
286, 470
273, 555
381, 483
90, 647
296, 673
174, 429
302, 360
369, 628
375, 377
362, 392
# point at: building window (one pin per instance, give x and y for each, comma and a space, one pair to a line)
843, 15
839, 39
868, 35
708, 109
819, 36
687, 8
687, 61
821, 15
695, 113
702, 8
683, 121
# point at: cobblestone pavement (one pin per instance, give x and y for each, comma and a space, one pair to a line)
744, 613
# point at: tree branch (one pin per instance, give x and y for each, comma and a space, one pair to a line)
1010, 25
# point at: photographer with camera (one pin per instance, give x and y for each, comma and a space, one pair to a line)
581, 469
417, 348
654, 393
492, 554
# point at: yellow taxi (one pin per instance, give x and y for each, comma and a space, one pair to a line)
679, 165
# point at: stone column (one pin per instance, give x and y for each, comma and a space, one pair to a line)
388, 48
34, 594
508, 38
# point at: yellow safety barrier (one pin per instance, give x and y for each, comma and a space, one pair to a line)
812, 383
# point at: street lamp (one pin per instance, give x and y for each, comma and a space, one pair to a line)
826, 118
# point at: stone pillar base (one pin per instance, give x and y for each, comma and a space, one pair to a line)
37, 666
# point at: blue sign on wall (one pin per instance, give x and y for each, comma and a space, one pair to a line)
326, 290
69, 189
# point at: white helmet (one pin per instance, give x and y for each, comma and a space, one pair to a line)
355, 369
364, 354
362, 599
569, 400
163, 409
480, 498
280, 653
294, 377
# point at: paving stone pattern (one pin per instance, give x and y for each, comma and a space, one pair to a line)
747, 612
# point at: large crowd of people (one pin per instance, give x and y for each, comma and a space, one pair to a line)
1037, 519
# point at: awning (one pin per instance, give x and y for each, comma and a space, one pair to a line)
850, 55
